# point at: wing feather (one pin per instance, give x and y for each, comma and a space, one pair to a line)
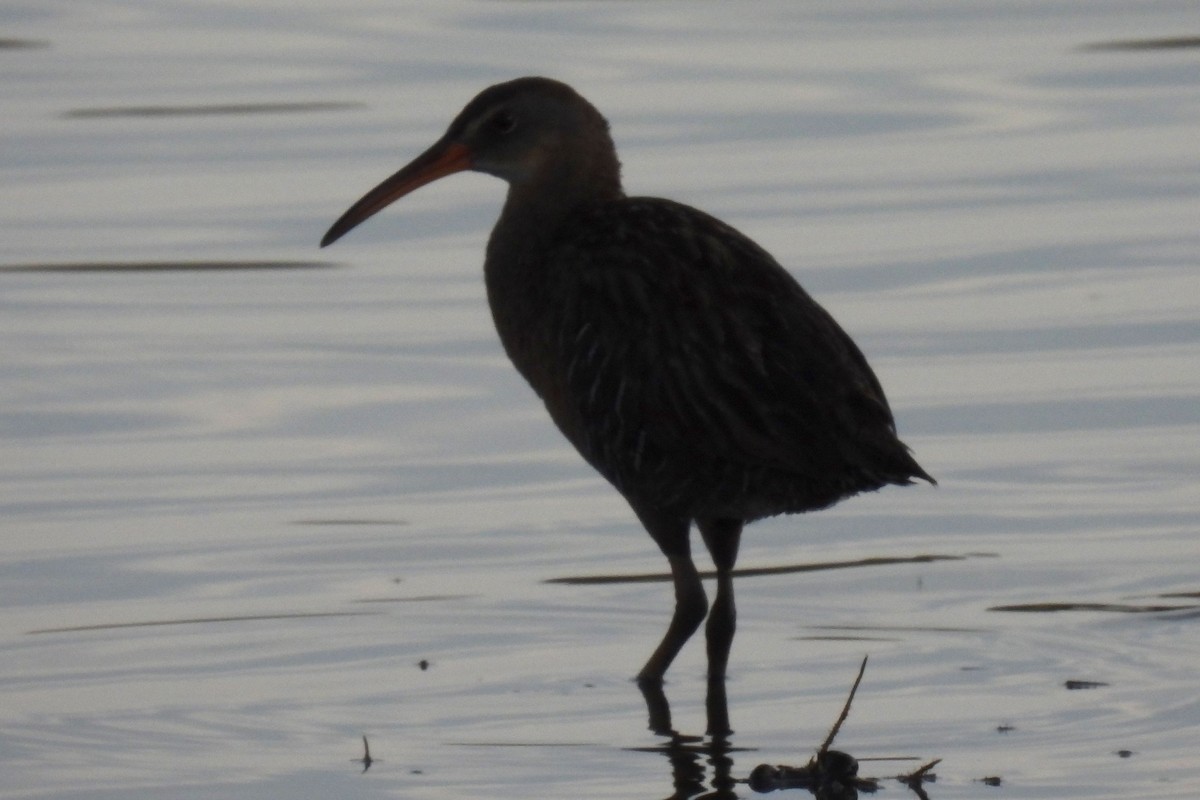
692, 354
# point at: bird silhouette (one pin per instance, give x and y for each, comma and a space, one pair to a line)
680, 359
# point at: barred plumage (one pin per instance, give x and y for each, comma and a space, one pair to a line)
680, 359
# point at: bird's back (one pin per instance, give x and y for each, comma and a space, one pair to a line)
695, 373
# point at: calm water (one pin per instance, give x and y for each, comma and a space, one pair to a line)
239, 506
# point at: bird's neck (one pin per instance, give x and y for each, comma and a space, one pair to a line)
538, 204
519, 265
569, 177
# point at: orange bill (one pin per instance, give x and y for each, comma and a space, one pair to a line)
444, 158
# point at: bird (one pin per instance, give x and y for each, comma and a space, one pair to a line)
678, 357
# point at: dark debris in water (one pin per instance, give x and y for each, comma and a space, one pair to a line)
833, 774
216, 109
917, 779
1074, 685
366, 760
165, 266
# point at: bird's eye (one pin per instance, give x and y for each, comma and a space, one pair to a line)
503, 122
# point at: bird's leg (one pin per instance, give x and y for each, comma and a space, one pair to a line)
691, 604
722, 537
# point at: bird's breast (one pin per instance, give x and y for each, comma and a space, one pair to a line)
528, 319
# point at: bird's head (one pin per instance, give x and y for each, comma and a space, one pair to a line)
536, 133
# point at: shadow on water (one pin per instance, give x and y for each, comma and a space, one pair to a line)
1164, 43
166, 266
107, 626
856, 633
336, 522
1050, 607
783, 569
216, 109
23, 44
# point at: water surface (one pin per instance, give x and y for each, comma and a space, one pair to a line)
250, 486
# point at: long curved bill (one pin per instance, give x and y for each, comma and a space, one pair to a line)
444, 158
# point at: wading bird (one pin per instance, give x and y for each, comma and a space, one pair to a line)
677, 356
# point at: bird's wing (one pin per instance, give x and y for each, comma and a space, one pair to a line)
682, 339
